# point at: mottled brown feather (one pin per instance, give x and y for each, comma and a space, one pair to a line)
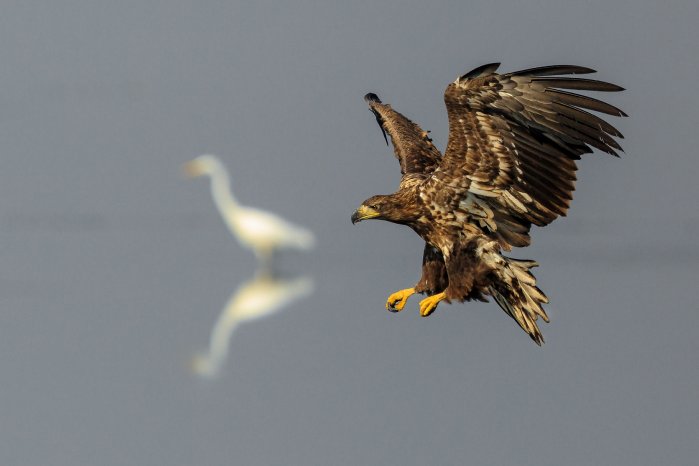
519, 134
412, 145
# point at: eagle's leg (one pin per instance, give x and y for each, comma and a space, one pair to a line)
434, 278
396, 302
455, 273
429, 304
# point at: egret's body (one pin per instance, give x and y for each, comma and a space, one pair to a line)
256, 229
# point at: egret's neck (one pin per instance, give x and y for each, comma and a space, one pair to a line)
221, 192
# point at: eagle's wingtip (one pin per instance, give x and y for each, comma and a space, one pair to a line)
483, 70
371, 97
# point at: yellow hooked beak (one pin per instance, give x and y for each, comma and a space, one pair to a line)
364, 213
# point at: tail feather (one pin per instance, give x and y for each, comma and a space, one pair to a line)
516, 292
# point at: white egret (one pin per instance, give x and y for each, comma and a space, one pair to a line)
256, 229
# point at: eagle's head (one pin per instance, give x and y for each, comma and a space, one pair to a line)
391, 207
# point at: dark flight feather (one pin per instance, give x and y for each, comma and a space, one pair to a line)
483, 70
581, 84
553, 70
371, 97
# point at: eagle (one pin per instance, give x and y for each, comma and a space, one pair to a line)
510, 163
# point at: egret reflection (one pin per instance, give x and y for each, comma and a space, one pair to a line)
260, 297
261, 231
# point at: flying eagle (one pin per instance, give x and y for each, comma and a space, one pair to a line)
509, 164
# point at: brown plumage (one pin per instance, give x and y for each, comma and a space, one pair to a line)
509, 164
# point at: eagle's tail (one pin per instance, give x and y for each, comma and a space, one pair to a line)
516, 292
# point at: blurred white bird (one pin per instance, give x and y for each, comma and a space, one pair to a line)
256, 229
260, 297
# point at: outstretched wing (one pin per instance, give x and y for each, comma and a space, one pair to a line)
514, 139
412, 145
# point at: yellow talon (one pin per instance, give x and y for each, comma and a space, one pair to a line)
396, 302
429, 304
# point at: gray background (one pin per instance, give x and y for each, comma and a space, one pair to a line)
113, 267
